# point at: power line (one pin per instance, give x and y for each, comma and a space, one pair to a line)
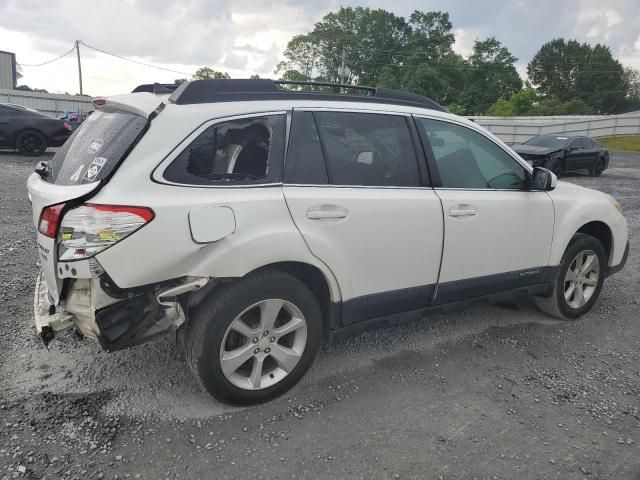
133, 61
47, 62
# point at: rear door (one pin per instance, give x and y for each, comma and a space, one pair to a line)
589, 152
575, 158
497, 233
368, 211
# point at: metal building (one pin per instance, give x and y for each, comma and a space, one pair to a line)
8, 71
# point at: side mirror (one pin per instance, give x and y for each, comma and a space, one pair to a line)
543, 179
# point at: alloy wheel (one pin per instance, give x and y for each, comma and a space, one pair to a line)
263, 344
31, 143
581, 279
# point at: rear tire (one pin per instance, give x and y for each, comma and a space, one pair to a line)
555, 166
578, 281
31, 143
237, 343
597, 168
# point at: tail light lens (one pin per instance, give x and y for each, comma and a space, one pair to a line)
49, 219
89, 229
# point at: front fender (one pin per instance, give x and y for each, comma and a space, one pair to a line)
575, 207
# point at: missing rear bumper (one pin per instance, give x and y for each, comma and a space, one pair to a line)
48, 318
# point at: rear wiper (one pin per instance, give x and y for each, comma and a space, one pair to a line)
43, 169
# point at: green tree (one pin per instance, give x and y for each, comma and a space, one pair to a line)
302, 57
204, 73
564, 70
180, 81
490, 75
430, 53
27, 88
501, 108
632, 82
362, 39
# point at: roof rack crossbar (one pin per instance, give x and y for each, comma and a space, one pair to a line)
222, 90
370, 90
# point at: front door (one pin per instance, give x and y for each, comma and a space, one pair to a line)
497, 234
353, 187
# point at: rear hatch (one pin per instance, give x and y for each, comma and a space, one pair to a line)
84, 163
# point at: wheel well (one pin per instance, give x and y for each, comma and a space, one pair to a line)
600, 231
314, 279
24, 130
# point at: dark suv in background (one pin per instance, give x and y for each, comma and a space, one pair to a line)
562, 153
29, 131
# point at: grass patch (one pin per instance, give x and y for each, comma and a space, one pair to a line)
628, 143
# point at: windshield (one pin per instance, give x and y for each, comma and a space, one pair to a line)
96, 148
550, 141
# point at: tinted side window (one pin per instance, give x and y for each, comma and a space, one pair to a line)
247, 150
585, 143
367, 149
305, 161
467, 159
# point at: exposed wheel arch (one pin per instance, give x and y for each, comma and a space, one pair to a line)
602, 233
315, 281
310, 275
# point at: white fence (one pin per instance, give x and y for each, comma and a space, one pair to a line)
520, 129
50, 104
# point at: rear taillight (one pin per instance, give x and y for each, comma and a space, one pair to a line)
88, 229
49, 218
68, 126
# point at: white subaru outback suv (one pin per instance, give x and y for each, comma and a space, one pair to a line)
256, 220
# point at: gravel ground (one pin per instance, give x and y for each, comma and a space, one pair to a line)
492, 392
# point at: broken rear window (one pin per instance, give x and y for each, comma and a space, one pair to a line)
96, 148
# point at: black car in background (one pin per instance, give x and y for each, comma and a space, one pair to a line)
561, 153
29, 131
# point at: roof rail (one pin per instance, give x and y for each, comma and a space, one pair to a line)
340, 86
157, 88
223, 90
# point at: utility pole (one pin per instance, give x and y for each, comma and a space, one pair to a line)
342, 67
79, 65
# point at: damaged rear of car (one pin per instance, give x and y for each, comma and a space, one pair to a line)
72, 287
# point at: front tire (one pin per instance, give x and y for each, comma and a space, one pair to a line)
31, 143
253, 340
578, 281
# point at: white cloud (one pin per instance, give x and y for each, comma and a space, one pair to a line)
248, 36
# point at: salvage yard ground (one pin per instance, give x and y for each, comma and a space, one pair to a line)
495, 392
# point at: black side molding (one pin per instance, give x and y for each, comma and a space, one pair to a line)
620, 266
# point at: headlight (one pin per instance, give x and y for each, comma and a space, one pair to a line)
616, 204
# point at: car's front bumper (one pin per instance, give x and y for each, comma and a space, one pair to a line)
616, 268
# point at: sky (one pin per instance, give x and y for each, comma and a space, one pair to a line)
244, 37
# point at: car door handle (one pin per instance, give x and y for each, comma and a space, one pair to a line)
326, 211
463, 212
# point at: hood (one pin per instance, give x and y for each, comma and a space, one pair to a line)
531, 150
